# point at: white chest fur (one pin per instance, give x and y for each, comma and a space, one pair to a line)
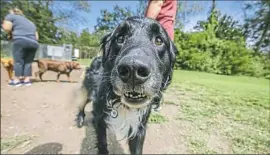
127, 119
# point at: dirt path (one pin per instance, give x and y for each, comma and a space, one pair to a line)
45, 114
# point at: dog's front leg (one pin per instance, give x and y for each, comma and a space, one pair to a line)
100, 128
136, 143
10, 74
58, 76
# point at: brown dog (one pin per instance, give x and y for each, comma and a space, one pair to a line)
8, 64
61, 67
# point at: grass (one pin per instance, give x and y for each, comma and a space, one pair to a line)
13, 142
85, 62
235, 108
156, 118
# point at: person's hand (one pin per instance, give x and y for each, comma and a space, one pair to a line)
154, 8
7, 26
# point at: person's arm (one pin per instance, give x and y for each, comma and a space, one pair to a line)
37, 35
154, 8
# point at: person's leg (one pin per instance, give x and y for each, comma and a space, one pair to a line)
18, 63
29, 55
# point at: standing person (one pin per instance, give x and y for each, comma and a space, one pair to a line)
25, 45
164, 11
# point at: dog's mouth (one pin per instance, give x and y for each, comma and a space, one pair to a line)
135, 99
135, 96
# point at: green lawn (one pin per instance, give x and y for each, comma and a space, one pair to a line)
85, 62
236, 108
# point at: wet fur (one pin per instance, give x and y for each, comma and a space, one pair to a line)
89, 88
131, 122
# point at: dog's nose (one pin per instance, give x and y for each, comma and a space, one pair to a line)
136, 71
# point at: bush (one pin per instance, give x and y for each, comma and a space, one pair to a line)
198, 51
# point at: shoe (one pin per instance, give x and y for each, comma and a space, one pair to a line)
10, 82
28, 83
17, 84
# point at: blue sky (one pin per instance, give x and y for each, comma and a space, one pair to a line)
97, 6
232, 8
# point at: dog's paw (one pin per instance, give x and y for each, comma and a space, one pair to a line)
80, 119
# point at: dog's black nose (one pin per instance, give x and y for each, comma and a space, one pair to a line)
124, 72
136, 71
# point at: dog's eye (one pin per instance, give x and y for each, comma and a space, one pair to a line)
158, 41
120, 39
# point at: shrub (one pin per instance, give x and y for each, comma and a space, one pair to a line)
198, 51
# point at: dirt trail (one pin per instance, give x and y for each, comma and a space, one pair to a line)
44, 112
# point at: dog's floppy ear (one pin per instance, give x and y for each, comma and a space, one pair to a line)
105, 47
172, 57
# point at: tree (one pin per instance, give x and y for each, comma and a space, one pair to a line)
38, 13
85, 38
226, 27
223, 27
110, 20
257, 26
68, 37
45, 16
184, 10
88, 43
214, 49
141, 8
68, 13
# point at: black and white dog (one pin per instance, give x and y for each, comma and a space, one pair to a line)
137, 65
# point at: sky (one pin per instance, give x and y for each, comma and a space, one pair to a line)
233, 8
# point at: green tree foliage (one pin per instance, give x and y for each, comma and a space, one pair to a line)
67, 37
218, 48
257, 25
43, 14
88, 39
38, 13
225, 28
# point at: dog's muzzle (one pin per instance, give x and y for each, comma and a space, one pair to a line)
134, 71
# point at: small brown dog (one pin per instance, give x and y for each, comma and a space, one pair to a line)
61, 67
8, 64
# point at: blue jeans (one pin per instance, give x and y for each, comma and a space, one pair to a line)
24, 52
